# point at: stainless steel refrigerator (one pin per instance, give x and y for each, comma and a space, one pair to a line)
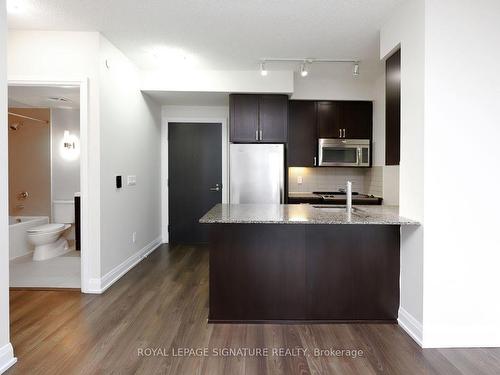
256, 173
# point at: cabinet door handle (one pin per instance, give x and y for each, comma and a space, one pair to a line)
344, 132
217, 187
340, 133
314, 161
256, 135
260, 135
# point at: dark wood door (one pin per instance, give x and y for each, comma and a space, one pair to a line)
244, 118
329, 120
393, 109
273, 118
302, 134
356, 117
194, 178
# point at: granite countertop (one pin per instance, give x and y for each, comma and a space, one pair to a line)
302, 214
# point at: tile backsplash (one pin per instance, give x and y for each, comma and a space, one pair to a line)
374, 181
364, 180
325, 179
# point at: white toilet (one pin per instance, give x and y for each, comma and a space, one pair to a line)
47, 238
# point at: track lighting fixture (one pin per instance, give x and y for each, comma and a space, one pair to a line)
303, 64
263, 71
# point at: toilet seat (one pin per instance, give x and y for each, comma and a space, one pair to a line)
46, 228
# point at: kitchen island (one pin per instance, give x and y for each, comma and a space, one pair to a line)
272, 262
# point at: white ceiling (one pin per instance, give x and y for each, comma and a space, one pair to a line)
38, 97
217, 34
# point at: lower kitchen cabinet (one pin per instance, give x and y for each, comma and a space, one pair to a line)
267, 272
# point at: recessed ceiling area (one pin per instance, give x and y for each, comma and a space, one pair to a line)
67, 97
219, 34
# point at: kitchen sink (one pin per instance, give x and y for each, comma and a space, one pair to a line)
333, 208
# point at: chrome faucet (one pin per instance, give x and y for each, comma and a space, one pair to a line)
348, 197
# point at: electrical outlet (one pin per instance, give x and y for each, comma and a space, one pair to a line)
299, 180
134, 237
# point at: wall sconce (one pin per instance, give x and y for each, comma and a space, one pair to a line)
70, 147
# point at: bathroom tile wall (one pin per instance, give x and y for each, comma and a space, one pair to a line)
29, 162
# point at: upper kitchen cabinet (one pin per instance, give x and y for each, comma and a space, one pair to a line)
393, 109
273, 118
329, 120
345, 119
356, 118
258, 118
302, 134
244, 118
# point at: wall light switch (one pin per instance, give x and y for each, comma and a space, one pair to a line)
299, 180
131, 180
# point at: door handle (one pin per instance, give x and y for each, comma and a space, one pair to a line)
314, 161
256, 135
217, 187
260, 135
340, 133
359, 155
343, 132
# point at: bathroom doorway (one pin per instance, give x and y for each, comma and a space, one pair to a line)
45, 172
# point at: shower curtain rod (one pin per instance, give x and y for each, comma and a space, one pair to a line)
28, 118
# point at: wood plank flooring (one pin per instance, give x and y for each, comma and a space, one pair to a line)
162, 304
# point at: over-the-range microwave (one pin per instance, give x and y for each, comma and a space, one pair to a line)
344, 152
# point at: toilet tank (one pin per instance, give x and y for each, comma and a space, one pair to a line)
63, 211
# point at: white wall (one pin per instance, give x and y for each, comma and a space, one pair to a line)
336, 83
405, 28
217, 81
65, 173
6, 352
67, 56
462, 118
130, 139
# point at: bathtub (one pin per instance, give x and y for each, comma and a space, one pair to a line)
18, 238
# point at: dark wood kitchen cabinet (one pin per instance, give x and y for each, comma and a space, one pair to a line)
329, 120
345, 119
393, 109
244, 118
258, 118
302, 134
356, 118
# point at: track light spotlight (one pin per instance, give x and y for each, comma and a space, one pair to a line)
355, 69
263, 71
303, 70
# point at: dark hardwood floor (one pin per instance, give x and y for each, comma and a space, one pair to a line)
163, 304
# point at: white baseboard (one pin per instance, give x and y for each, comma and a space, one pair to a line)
98, 286
411, 325
7, 358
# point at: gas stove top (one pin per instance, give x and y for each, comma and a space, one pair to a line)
323, 193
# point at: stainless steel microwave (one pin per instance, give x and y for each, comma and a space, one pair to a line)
344, 152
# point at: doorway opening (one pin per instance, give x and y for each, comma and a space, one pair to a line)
47, 148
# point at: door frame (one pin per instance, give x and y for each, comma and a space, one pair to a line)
164, 163
85, 168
